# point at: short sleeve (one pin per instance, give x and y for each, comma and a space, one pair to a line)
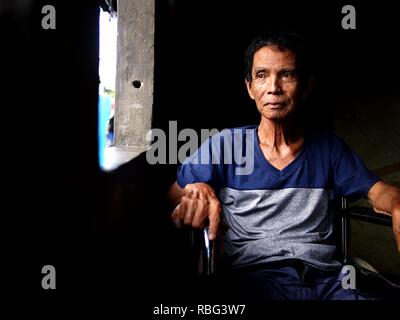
205, 165
351, 177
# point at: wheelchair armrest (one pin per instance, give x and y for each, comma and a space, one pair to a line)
368, 215
358, 213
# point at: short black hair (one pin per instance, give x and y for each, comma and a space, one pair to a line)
289, 40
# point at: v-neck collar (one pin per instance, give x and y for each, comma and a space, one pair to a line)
288, 168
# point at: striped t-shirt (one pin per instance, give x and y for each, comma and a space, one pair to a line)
273, 214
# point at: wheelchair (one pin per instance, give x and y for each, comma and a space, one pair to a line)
206, 260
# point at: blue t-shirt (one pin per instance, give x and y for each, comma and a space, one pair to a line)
274, 214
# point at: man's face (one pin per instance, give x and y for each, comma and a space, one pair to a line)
275, 85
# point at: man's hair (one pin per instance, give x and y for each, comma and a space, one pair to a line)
284, 40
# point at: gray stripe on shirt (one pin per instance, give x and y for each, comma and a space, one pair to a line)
272, 225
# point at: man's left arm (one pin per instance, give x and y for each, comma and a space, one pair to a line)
385, 199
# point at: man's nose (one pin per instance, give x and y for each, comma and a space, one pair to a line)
274, 86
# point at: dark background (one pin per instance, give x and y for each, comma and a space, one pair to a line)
200, 54
108, 234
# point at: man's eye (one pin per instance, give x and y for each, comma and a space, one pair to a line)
288, 75
260, 75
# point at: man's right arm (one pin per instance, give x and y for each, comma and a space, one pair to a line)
195, 203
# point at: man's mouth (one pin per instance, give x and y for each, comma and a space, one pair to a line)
274, 105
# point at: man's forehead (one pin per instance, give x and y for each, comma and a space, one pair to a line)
273, 56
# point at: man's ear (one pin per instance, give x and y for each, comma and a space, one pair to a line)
248, 86
308, 88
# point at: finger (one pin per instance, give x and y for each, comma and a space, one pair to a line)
175, 216
200, 215
188, 208
397, 236
176, 212
396, 231
189, 193
396, 228
193, 194
214, 217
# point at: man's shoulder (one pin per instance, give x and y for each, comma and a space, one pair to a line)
324, 137
325, 141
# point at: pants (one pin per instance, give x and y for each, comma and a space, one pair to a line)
291, 280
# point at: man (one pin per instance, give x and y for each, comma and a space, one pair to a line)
279, 235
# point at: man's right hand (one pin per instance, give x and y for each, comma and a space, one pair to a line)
198, 202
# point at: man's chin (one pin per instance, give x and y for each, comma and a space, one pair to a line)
278, 114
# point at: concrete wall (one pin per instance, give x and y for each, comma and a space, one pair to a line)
135, 70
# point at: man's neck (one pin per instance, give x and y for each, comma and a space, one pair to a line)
279, 135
